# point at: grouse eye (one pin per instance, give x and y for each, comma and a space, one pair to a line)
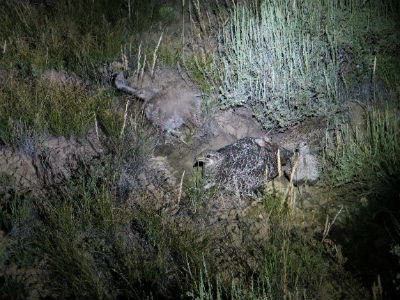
208, 155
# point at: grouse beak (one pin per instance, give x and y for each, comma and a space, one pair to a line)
197, 164
199, 161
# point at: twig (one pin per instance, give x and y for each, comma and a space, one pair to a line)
328, 225
142, 72
96, 128
139, 58
377, 289
125, 116
155, 55
278, 159
180, 188
290, 187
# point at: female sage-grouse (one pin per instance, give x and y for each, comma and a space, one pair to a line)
307, 166
243, 166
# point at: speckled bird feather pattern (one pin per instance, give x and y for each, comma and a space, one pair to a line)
242, 166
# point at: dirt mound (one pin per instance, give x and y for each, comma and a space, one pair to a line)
155, 181
20, 167
52, 163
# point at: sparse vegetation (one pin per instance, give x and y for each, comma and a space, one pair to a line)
74, 35
45, 107
293, 265
365, 176
367, 155
80, 242
288, 60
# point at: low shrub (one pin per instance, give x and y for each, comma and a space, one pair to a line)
280, 63
292, 60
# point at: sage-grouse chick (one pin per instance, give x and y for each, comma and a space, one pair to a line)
242, 167
307, 168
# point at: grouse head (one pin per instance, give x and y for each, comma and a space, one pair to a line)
303, 148
210, 159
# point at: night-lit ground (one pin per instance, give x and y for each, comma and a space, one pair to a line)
100, 193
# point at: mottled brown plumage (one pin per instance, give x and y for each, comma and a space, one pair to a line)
243, 166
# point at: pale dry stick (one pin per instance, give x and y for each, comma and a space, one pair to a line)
377, 289
155, 55
290, 187
142, 71
328, 225
139, 58
125, 116
325, 226
96, 127
180, 188
5, 47
278, 160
